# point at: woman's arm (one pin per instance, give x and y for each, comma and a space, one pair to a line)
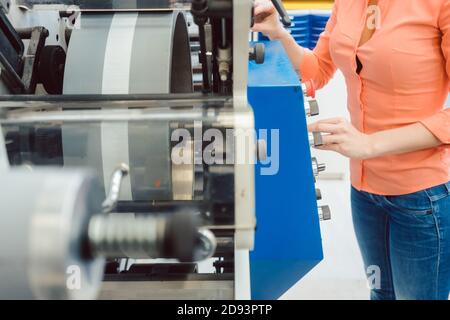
315, 65
402, 140
340, 136
294, 51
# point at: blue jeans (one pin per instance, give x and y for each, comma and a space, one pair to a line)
405, 243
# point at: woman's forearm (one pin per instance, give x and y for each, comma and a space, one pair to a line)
402, 140
341, 136
294, 51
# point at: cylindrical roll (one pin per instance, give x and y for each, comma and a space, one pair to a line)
127, 53
43, 217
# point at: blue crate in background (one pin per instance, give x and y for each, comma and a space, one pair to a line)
307, 25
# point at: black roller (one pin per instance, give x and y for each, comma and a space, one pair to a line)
51, 68
180, 236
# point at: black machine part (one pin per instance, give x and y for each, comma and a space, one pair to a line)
282, 12
19, 70
284, 16
51, 69
11, 44
257, 53
31, 60
11, 52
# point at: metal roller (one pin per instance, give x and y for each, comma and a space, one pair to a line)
54, 244
129, 53
43, 215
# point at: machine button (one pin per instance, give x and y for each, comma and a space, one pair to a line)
318, 194
311, 107
317, 167
257, 53
324, 213
315, 139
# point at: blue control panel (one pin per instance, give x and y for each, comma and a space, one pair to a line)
288, 242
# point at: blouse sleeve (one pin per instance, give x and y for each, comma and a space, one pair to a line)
439, 123
317, 64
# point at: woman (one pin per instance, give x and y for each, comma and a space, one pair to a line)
395, 56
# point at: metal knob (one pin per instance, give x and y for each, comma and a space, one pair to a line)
324, 213
311, 107
317, 167
315, 139
257, 53
318, 194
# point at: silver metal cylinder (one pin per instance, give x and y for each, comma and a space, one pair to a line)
125, 235
324, 213
315, 139
43, 216
317, 167
311, 107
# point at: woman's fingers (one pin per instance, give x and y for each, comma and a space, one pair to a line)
330, 147
263, 7
260, 18
335, 120
331, 139
325, 127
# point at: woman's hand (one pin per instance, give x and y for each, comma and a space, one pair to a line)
267, 20
341, 136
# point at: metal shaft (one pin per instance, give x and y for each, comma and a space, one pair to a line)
126, 235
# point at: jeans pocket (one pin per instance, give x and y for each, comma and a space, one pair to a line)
418, 203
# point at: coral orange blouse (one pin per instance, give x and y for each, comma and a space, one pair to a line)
404, 80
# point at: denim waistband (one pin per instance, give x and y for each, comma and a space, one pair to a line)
438, 192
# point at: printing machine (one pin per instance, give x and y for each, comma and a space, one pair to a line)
97, 99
